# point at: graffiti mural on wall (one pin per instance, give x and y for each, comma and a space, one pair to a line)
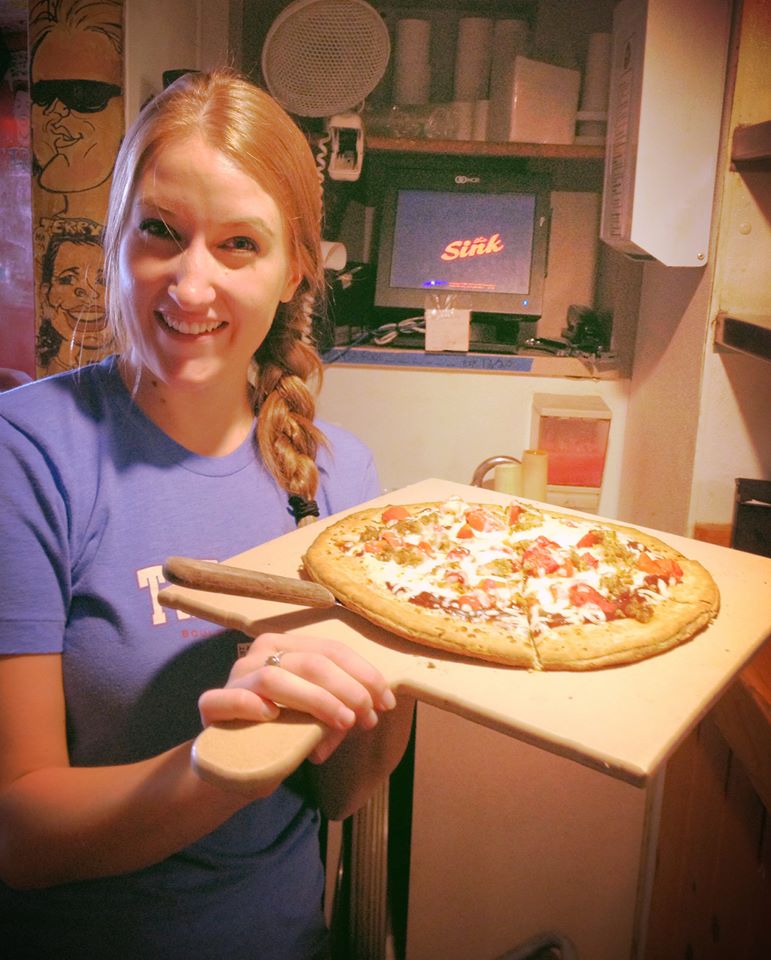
76, 88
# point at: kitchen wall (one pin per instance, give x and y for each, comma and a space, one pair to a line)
174, 34
736, 390
698, 419
438, 423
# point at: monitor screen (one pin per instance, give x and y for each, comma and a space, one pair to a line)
481, 234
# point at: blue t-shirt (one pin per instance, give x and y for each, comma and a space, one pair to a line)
93, 498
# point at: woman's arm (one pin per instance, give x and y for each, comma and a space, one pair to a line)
344, 782
368, 731
60, 823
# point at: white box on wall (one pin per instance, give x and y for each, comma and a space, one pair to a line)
536, 104
666, 101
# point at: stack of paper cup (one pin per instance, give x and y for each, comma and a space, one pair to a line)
481, 113
596, 86
507, 478
535, 465
472, 58
472, 77
412, 71
510, 38
463, 119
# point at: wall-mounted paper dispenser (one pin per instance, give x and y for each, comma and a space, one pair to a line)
666, 99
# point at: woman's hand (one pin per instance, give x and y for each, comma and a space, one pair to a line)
323, 678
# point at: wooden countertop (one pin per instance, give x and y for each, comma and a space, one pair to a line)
743, 714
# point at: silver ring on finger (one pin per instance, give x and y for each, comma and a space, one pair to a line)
274, 660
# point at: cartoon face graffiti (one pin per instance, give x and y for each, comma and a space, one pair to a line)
73, 286
77, 108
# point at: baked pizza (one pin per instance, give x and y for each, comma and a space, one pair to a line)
515, 584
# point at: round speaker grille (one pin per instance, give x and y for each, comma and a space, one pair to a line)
322, 57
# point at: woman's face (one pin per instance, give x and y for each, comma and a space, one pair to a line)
204, 263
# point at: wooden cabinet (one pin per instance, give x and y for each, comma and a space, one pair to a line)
751, 158
712, 890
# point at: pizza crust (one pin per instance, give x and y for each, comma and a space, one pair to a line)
689, 607
590, 646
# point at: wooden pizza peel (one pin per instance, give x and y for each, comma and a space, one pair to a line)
623, 721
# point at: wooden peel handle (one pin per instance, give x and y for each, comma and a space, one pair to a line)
255, 758
251, 758
221, 578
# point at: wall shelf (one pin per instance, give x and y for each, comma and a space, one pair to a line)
751, 146
734, 331
481, 148
744, 334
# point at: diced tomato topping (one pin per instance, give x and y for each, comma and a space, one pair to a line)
482, 521
395, 513
477, 600
454, 576
538, 558
590, 560
566, 569
487, 584
590, 539
546, 542
426, 548
455, 553
664, 567
581, 593
392, 539
375, 546
465, 532
514, 513
470, 600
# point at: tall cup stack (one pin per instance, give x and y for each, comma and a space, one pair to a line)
510, 39
472, 58
596, 85
412, 71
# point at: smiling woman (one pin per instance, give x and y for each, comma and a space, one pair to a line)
199, 438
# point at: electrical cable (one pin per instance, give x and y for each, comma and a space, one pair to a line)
388, 332
381, 336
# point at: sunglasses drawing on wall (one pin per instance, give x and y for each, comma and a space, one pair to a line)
82, 96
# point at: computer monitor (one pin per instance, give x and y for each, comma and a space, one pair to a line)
467, 226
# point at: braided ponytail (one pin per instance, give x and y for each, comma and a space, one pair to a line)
285, 404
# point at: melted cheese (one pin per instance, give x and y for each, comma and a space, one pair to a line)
449, 568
